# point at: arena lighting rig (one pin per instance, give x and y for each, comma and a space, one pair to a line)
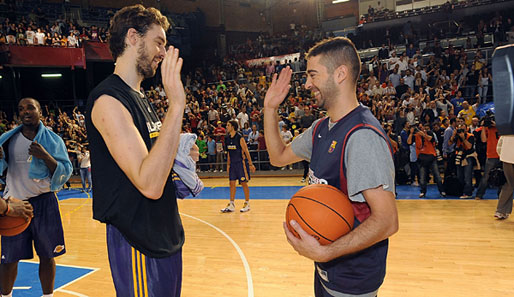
51, 75
339, 1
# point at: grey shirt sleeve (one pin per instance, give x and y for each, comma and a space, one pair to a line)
368, 164
302, 144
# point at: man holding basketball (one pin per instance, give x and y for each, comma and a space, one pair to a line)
37, 166
353, 265
132, 154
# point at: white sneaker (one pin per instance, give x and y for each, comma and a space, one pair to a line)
303, 180
246, 207
230, 208
221, 170
215, 170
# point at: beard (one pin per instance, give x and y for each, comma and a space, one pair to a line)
144, 63
327, 94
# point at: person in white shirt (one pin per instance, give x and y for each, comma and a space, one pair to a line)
212, 115
402, 64
30, 36
409, 79
243, 117
40, 37
393, 61
253, 137
85, 169
72, 40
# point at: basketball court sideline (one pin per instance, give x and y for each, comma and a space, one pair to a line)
445, 247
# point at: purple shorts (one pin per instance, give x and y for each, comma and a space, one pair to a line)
45, 230
239, 171
137, 275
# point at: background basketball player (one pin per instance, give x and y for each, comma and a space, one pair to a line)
239, 163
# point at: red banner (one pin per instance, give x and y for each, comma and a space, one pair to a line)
97, 51
45, 56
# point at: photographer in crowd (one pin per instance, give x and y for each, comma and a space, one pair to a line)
425, 141
488, 135
465, 158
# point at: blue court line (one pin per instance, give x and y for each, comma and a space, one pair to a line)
27, 282
405, 192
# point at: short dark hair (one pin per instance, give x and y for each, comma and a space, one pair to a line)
234, 124
38, 105
137, 17
335, 52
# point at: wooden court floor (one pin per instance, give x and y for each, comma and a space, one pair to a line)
443, 248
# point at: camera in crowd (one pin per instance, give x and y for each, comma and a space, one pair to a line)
488, 119
458, 158
460, 130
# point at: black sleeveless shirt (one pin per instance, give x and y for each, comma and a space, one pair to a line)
151, 226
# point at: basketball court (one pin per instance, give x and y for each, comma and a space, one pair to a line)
445, 247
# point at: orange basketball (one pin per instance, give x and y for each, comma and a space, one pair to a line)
10, 226
323, 211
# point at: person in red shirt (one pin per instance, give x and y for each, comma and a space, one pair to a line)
425, 150
490, 136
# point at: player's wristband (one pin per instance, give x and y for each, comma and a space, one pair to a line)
6, 209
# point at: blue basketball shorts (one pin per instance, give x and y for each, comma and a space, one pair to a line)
239, 171
45, 230
137, 275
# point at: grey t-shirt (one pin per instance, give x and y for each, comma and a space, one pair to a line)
368, 165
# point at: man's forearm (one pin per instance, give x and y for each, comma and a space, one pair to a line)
274, 143
51, 163
157, 165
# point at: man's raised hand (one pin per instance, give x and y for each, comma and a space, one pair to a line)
278, 89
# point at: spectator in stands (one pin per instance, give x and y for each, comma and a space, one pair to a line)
211, 152
425, 142
253, 138
31, 35
467, 112
464, 145
243, 117
409, 79
220, 134
202, 149
457, 102
307, 119
395, 77
402, 88
39, 37
411, 51
85, 169
383, 52
484, 78
489, 135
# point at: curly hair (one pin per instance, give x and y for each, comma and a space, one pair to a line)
137, 17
